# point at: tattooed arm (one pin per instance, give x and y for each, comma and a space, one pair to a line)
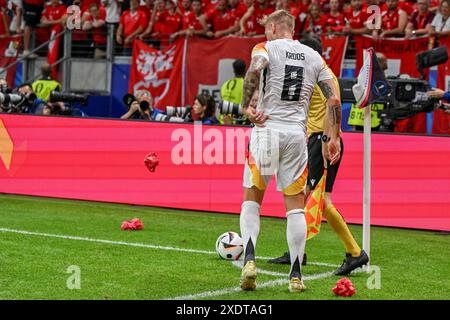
334, 109
333, 117
251, 81
251, 84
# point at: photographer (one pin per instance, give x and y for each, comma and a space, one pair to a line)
4, 89
65, 103
22, 101
141, 107
33, 104
204, 109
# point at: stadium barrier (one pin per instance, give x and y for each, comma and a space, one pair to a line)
201, 167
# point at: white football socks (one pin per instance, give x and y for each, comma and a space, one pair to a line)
296, 238
249, 221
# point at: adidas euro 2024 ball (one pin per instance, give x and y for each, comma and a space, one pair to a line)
229, 246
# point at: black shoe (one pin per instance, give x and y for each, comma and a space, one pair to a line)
286, 259
351, 263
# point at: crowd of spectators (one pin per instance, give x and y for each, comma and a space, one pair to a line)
161, 21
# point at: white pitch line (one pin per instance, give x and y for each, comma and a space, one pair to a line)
222, 292
131, 244
267, 284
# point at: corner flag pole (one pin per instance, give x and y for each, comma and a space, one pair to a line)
367, 179
371, 85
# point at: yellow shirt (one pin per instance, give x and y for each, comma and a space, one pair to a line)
317, 109
43, 88
356, 117
233, 90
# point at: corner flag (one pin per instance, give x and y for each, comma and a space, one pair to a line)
372, 83
371, 86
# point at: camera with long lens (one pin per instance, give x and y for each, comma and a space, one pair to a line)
8, 99
226, 107
181, 112
16, 102
68, 97
4, 88
166, 118
128, 99
174, 114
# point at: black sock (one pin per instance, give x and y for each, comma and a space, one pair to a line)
295, 272
249, 252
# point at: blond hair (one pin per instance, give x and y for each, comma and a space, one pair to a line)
281, 17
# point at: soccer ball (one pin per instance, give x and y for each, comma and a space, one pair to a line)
229, 246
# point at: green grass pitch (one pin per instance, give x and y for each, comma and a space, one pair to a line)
413, 264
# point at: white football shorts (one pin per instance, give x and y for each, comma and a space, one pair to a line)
277, 149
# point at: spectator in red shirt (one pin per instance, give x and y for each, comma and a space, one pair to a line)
355, 19
300, 20
185, 7
434, 5
407, 6
170, 21
132, 24
4, 19
194, 23
420, 20
237, 8
334, 20
165, 22
53, 14
315, 23
262, 8
52, 20
155, 27
209, 5
259, 10
95, 22
221, 20
303, 5
393, 21
147, 8
287, 6
325, 5
247, 27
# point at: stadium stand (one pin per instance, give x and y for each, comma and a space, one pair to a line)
104, 31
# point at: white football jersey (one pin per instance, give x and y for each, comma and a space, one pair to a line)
288, 81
